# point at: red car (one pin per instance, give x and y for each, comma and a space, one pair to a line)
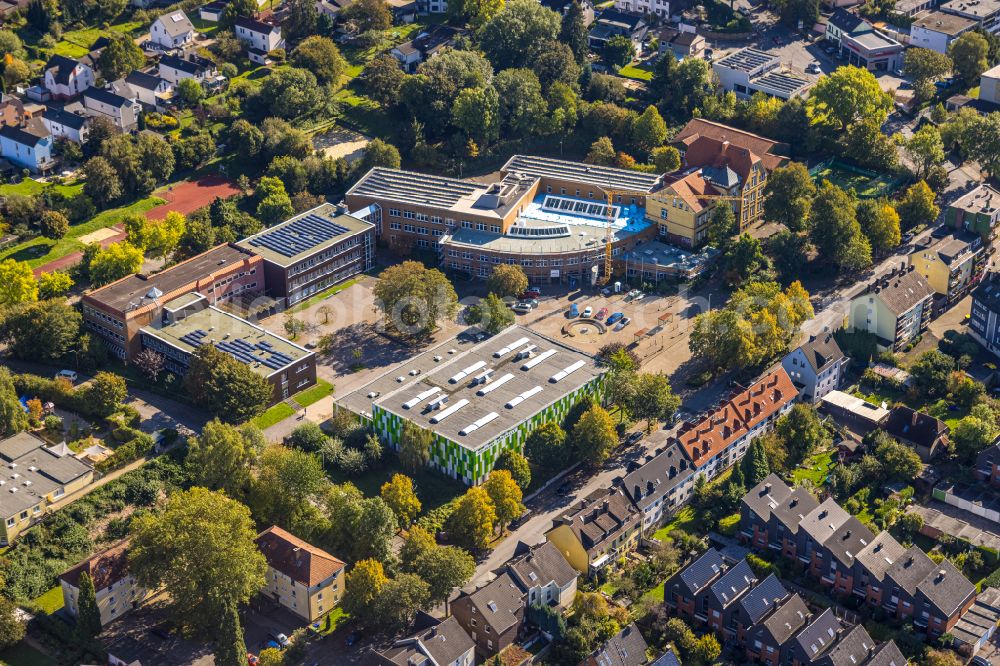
530, 294
602, 313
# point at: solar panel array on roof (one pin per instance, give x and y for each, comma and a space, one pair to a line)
248, 353
261, 352
783, 82
415, 188
299, 235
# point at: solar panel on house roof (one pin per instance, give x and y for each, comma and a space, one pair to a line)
299, 235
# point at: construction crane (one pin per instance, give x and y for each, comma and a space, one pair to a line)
610, 219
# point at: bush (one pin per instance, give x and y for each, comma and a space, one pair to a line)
130, 451
161, 121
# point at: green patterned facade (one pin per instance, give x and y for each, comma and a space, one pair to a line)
472, 466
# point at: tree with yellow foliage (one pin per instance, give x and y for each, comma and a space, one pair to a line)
398, 494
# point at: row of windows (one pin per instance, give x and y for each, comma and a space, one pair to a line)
103, 316
325, 255
105, 332
234, 276
326, 269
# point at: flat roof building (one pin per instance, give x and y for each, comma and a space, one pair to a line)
189, 322
33, 476
986, 13
937, 30
751, 70
548, 216
312, 251
478, 400
117, 311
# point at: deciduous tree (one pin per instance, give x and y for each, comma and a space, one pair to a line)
505, 495
221, 457
471, 523
917, 205
649, 130
517, 465
969, 55
594, 436
880, 224
444, 568
201, 547
835, 230
653, 399
227, 388
848, 95
363, 589
53, 284
412, 298
507, 280
114, 262
491, 314
398, 494
121, 56
415, 446
230, 648
546, 446
573, 32
20, 326
321, 56
514, 37
17, 283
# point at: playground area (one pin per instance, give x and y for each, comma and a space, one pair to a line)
866, 184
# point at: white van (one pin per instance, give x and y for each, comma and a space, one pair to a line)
67, 374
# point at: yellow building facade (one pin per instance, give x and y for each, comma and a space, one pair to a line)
301, 577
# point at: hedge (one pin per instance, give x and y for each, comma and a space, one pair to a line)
133, 449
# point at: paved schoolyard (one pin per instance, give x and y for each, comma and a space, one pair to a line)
191, 195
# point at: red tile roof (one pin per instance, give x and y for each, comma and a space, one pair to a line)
737, 416
105, 568
691, 188
297, 559
707, 143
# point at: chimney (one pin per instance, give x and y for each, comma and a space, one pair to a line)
916, 417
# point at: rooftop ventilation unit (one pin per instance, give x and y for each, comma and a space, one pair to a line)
495, 385
448, 412
509, 348
538, 359
438, 402
468, 371
420, 397
484, 377
562, 374
517, 400
526, 352
472, 427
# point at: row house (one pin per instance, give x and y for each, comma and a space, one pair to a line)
626, 648
770, 641
722, 437
753, 607
839, 551
686, 593
121, 110
544, 575
814, 642
896, 308
762, 618
492, 615
952, 264
443, 643
725, 593
659, 486
596, 531
871, 565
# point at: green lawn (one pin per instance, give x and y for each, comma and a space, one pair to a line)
323, 295
640, 73
77, 43
815, 468
31, 187
314, 393
682, 521
654, 594
39, 251
275, 414
23, 654
338, 617
49, 602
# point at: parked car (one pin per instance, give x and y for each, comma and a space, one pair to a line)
587, 312
281, 639
574, 311
813, 68
623, 323
639, 296
615, 318
522, 308
601, 314
531, 292
67, 374
530, 301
